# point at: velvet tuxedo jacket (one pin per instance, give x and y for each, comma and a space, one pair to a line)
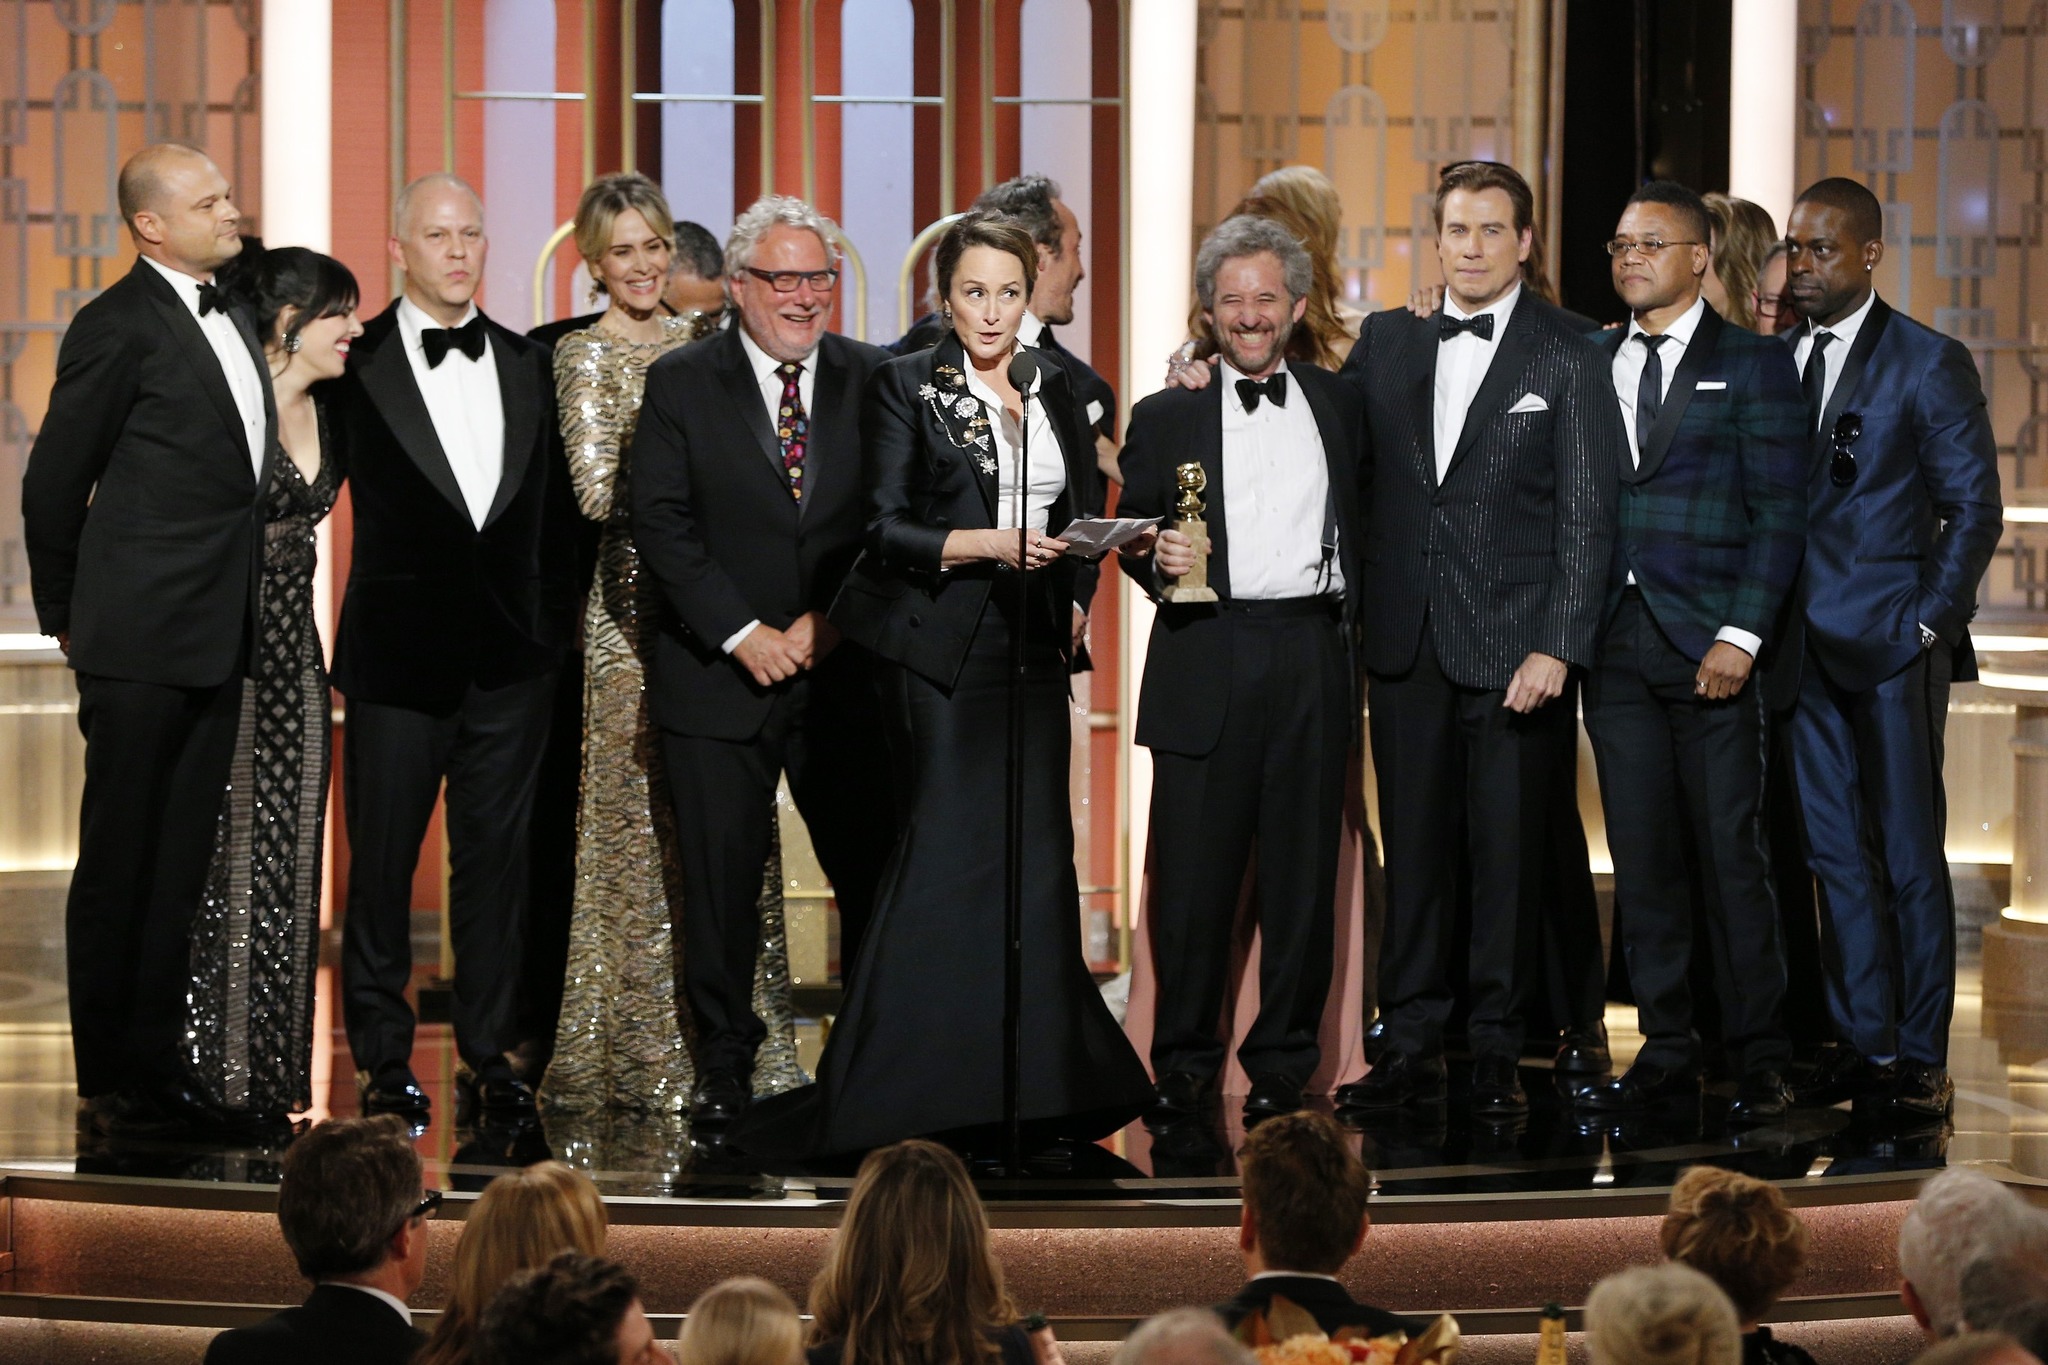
434, 604
142, 509
1713, 516
1510, 552
1185, 691
715, 524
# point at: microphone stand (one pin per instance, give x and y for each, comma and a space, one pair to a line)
1022, 372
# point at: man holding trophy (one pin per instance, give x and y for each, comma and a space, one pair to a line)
1250, 697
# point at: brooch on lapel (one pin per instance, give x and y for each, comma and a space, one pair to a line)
961, 417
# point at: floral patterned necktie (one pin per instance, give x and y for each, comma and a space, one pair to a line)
792, 428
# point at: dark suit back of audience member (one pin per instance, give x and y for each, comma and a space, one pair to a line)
335, 1324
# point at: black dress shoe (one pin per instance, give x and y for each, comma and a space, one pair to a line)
1760, 1097
720, 1097
1584, 1051
1497, 1086
1840, 1073
1179, 1095
1923, 1090
395, 1091
1642, 1086
498, 1094
1271, 1095
1397, 1079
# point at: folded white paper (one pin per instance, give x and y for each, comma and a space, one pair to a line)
1095, 535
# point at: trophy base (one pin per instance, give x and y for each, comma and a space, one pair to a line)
1190, 595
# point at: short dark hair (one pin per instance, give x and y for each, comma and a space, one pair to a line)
1487, 175
698, 252
1866, 215
268, 280
1031, 200
348, 1187
565, 1313
1685, 201
1308, 1191
977, 227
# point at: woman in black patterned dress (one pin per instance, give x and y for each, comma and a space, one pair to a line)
256, 940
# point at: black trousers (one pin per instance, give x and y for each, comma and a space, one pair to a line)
1466, 786
1682, 781
1274, 783
395, 760
156, 772
826, 731
544, 959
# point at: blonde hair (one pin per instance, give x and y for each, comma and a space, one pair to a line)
520, 1222
1666, 1314
605, 199
910, 1279
1743, 233
742, 1321
1304, 202
1738, 1232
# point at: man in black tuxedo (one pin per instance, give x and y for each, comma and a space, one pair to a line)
1712, 525
748, 509
143, 513
457, 608
1248, 703
354, 1213
1493, 444
1304, 1215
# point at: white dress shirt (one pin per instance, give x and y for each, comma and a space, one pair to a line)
1629, 360
1837, 352
467, 410
245, 381
764, 367
1461, 365
398, 1305
1047, 478
1276, 496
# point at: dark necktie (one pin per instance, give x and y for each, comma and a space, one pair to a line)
1273, 390
1649, 392
211, 299
438, 341
1448, 326
1815, 380
792, 427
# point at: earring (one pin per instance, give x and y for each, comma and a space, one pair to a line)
291, 344
596, 292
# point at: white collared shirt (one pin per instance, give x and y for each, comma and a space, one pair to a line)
245, 380
1836, 354
1292, 1275
1276, 495
1047, 478
770, 383
398, 1305
467, 410
1461, 366
1031, 331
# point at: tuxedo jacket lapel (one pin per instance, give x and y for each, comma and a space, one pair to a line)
1510, 361
1206, 448
738, 377
198, 352
1698, 357
1852, 375
387, 379
1421, 381
522, 418
270, 446
949, 381
834, 451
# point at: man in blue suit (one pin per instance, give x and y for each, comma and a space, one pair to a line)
1713, 516
1903, 514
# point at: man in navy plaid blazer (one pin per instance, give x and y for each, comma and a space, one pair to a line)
1713, 523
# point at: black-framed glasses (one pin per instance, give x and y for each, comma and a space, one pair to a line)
1648, 249
1842, 460
430, 1203
786, 281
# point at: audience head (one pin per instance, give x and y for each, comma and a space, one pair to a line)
1770, 302
1742, 234
624, 234
1961, 1217
910, 1278
521, 1220
303, 304
783, 274
985, 266
575, 1310
1738, 1232
1252, 277
1977, 1348
1667, 1314
1485, 231
1185, 1336
1305, 1193
1034, 201
696, 271
2007, 1293
351, 1204
437, 238
1833, 242
179, 208
744, 1321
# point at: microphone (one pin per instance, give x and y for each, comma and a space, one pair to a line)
1023, 370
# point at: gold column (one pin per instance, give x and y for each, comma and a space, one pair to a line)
1531, 90
396, 151
629, 83
448, 86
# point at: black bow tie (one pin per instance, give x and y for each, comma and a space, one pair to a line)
211, 299
1274, 390
1480, 326
468, 339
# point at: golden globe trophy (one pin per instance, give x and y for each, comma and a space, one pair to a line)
1192, 586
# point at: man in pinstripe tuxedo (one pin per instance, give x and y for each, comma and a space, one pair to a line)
1492, 458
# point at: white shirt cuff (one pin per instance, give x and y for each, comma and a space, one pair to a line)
1749, 644
732, 641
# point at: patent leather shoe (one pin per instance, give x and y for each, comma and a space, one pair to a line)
1923, 1090
720, 1097
1497, 1086
396, 1092
1642, 1086
1397, 1080
1178, 1095
1584, 1051
1841, 1073
1272, 1095
1760, 1097
498, 1094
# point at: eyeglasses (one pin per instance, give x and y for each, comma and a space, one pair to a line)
430, 1202
1770, 305
786, 281
1842, 463
1648, 249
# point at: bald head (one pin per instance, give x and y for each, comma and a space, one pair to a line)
180, 209
149, 177
430, 190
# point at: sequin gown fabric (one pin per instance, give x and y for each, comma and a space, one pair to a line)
256, 941
622, 1041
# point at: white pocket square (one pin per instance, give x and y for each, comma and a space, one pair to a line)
1706, 384
1094, 411
1529, 402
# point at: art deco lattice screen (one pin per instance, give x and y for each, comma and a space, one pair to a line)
84, 83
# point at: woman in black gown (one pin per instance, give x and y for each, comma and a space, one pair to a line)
917, 1047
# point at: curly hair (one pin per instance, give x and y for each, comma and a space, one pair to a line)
1661, 1315
1738, 1232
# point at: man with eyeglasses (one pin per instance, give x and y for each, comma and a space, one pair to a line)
1903, 513
1713, 512
354, 1214
748, 509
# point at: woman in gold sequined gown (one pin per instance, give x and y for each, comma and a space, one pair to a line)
622, 1042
